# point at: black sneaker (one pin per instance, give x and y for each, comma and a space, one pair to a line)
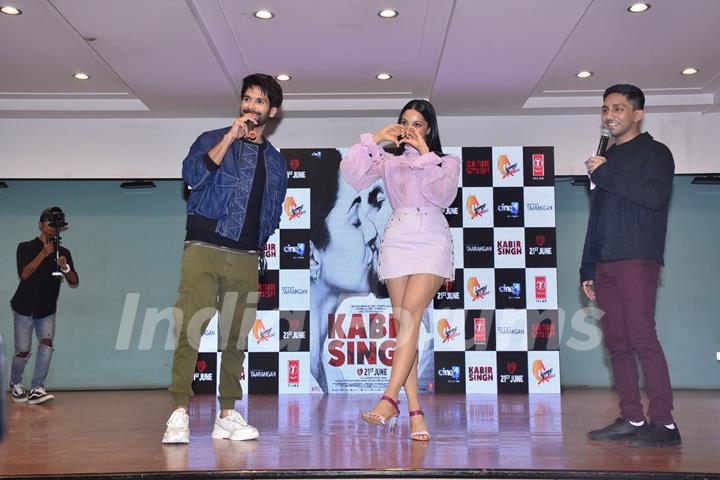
38, 395
18, 392
656, 435
620, 429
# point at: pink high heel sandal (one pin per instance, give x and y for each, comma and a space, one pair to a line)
422, 436
380, 420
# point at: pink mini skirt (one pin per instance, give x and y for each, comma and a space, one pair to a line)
416, 240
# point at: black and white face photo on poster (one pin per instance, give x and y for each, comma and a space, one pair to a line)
351, 337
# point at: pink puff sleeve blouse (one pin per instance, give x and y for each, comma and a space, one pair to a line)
411, 179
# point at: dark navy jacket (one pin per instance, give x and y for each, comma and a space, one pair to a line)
629, 207
221, 192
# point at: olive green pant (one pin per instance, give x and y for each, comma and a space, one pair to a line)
214, 280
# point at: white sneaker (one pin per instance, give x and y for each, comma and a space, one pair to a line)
18, 393
178, 428
234, 427
38, 395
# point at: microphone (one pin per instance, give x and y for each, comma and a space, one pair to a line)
602, 146
250, 128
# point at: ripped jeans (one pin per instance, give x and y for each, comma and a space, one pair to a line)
45, 330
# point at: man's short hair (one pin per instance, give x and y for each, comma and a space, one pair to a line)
634, 95
267, 84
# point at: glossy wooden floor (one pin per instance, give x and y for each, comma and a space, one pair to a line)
117, 435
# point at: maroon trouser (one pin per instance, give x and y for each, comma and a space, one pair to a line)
626, 292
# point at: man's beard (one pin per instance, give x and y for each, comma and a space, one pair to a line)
260, 119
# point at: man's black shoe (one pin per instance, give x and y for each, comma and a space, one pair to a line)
620, 429
655, 435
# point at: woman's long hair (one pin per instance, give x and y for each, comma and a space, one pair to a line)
425, 108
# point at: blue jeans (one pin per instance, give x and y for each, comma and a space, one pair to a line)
45, 330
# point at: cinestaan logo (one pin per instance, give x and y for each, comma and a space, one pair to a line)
295, 333
446, 331
543, 330
481, 373
261, 333
298, 249
540, 288
541, 374
480, 329
448, 293
267, 290
295, 173
515, 290
474, 208
476, 291
511, 377
513, 209
540, 249
539, 207
292, 209
475, 248
477, 167
294, 373
200, 374
270, 250
506, 168
509, 247
538, 164
452, 372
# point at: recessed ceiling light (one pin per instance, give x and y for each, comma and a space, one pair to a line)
690, 71
81, 76
10, 10
584, 74
264, 14
283, 77
388, 13
639, 7
383, 76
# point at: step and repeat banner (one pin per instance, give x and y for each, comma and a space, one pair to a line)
324, 322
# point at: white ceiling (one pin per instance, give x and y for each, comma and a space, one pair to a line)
187, 58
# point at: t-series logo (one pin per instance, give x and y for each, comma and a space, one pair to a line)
538, 163
453, 372
540, 288
513, 209
480, 329
294, 373
298, 249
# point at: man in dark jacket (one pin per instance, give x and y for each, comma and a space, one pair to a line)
238, 181
621, 263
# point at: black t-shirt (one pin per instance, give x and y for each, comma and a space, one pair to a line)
37, 295
202, 229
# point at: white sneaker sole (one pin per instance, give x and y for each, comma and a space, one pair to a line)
176, 439
220, 433
19, 400
38, 401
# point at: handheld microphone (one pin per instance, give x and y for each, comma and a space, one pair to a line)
250, 128
602, 146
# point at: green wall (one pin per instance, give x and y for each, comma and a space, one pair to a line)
127, 246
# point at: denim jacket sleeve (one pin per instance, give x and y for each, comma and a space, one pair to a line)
197, 168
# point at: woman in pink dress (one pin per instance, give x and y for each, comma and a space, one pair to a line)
416, 253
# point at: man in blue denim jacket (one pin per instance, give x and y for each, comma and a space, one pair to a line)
238, 182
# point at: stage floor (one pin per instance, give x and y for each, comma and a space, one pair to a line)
103, 434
